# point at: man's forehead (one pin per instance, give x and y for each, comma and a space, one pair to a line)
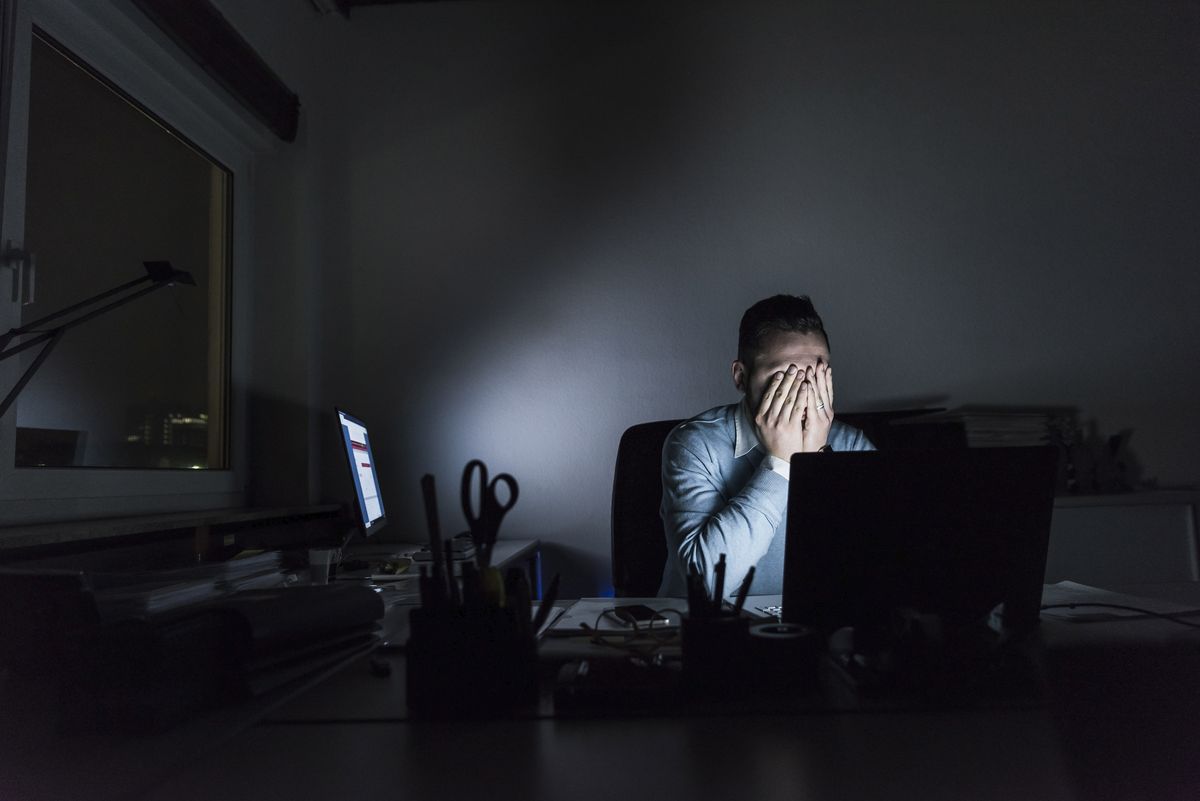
791, 348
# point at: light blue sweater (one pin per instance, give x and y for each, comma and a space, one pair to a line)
721, 497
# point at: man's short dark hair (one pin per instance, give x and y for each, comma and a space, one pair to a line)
778, 313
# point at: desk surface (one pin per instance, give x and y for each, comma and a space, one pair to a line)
1120, 730
1123, 728
1010, 755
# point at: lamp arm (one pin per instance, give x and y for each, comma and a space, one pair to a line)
15, 349
53, 338
159, 273
32, 326
26, 345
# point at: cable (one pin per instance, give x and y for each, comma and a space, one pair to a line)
1174, 618
641, 642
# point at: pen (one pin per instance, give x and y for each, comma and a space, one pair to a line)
519, 597
698, 603
719, 589
429, 492
455, 600
547, 605
426, 601
743, 591
471, 594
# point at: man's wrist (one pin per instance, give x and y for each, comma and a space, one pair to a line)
780, 466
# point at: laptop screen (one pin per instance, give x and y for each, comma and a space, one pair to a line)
361, 462
946, 532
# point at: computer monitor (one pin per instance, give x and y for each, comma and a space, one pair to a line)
361, 462
951, 532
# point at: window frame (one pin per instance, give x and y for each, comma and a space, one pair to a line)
120, 43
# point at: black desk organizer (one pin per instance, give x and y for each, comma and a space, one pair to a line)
470, 662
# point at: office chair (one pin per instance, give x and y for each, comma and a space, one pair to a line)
639, 546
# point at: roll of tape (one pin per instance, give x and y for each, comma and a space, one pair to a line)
780, 631
786, 655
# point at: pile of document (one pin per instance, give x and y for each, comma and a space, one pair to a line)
151, 592
139, 652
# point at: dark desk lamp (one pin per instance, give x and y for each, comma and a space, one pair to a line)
158, 273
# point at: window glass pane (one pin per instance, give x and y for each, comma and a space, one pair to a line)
109, 187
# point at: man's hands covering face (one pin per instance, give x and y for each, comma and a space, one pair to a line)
796, 411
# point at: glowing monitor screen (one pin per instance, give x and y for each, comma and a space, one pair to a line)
362, 472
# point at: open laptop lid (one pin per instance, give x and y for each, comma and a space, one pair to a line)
948, 532
361, 463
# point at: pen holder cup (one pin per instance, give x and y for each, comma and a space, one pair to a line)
715, 653
469, 663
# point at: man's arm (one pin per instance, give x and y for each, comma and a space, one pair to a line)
701, 522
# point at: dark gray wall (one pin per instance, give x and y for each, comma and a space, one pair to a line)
545, 220
291, 252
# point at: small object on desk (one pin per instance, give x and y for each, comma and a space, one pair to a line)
395, 565
463, 548
319, 561
633, 614
485, 523
392, 569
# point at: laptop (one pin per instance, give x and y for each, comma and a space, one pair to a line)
954, 532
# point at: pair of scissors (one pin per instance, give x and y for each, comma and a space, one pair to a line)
485, 523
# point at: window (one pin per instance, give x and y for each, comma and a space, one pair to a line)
108, 187
117, 150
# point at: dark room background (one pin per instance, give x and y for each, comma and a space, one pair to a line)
511, 230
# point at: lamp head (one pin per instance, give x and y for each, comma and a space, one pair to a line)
161, 272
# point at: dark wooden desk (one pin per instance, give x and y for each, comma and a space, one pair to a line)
36, 762
952, 756
1121, 726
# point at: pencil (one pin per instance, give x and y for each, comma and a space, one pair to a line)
743, 591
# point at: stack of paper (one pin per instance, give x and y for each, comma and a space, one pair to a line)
150, 592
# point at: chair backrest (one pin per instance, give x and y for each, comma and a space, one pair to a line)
639, 546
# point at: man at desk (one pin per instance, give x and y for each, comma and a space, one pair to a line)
725, 471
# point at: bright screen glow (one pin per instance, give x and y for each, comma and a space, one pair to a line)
362, 469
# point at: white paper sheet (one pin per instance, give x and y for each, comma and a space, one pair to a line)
1071, 592
591, 611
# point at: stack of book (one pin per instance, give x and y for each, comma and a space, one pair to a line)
1010, 426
